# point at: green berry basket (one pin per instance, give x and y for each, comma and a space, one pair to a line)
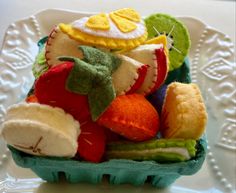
119, 171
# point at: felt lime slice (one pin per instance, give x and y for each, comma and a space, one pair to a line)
177, 36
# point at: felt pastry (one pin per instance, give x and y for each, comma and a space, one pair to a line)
178, 39
183, 112
155, 57
50, 89
27, 127
131, 116
59, 44
91, 142
129, 76
121, 29
160, 150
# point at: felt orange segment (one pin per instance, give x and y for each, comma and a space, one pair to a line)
131, 116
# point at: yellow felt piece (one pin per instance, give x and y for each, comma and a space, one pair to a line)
183, 112
99, 22
123, 24
129, 14
109, 43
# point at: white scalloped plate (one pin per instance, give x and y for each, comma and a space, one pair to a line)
213, 69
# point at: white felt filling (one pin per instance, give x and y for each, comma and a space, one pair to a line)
114, 32
126, 75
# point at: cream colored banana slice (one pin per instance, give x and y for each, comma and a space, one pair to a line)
41, 130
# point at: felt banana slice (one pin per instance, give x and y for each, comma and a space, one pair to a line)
41, 130
59, 44
155, 57
127, 74
183, 112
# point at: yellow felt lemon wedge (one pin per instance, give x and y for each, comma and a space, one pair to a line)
99, 22
128, 13
123, 24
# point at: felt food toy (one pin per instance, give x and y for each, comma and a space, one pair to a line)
91, 142
183, 112
129, 76
178, 39
50, 89
34, 129
59, 44
160, 150
121, 29
131, 116
155, 57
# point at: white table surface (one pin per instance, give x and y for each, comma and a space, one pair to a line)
219, 14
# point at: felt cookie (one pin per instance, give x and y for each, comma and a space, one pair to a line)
50, 89
178, 38
91, 142
183, 112
34, 128
155, 57
131, 116
129, 76
122, 33
59, 44
159, 150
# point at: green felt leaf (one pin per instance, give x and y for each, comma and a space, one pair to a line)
93, 80
95, 56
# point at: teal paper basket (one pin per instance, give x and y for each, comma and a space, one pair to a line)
119, 171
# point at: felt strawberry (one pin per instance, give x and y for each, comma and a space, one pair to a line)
131, 116
155, 57
91, 142
50, 89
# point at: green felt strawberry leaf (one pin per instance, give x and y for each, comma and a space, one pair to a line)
95, 56
92, 80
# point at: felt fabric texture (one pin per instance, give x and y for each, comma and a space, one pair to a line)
177, 36
131, 116
91, 142
33, 128
154, 56
50, 89
128, 13
123, 24
59, 44
93, 78
129, 76
181, 74
98, 22
183, 113
159, 150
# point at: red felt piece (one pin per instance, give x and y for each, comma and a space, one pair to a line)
50, 89
131, 116
142, 71
91, 142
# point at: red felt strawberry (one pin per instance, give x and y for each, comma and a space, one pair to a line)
91, 142
131, 116
50, 89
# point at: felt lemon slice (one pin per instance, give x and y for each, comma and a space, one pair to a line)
104, 40
59, 44
128, 13
41, 130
